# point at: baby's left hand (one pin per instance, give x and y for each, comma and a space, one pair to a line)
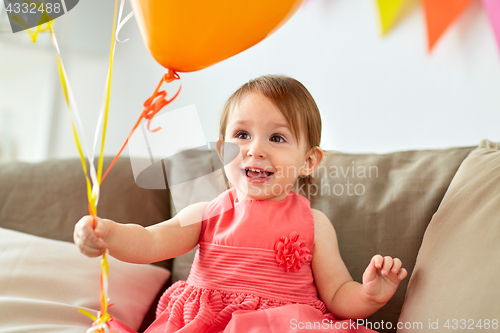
382, 277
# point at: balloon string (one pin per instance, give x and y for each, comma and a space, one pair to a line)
75, 120
157, 101
108, 94
39, 28
92, 188
103, 316
151, 107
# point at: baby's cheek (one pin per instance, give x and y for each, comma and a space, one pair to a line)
233, 169
235, 175
290, 172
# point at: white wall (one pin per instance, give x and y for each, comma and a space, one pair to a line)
375, 94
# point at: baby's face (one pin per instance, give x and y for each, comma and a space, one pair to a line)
270, 158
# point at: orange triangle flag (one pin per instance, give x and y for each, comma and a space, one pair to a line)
439, 14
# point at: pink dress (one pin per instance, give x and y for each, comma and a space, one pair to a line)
251, 273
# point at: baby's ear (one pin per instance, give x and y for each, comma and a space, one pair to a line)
227, 151
220, 149
313, 159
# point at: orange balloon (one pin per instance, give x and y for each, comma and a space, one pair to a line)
189, 35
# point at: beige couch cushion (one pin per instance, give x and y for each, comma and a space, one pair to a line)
385, 206
458, 266
44, 282
47, 199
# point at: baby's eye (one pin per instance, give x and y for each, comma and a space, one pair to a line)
242, 135
277, 138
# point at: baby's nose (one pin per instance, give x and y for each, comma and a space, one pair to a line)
257, 150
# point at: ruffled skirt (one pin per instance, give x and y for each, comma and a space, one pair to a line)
186, 308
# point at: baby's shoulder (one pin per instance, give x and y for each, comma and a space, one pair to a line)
323, 228
319, 216
192, 214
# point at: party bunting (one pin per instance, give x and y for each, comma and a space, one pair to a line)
389, 11
493, 9
439, 14
392, 11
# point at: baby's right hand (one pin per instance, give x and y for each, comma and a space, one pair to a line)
91, 241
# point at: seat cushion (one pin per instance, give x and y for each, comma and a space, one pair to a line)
43, 283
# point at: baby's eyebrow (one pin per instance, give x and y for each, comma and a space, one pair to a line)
277, 125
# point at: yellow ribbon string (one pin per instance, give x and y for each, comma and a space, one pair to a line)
100, 322
64, 86
41, 27
108, 93
103, 315
88, 314
92, 198
104, 290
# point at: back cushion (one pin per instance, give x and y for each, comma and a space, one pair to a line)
382, 204
454, 287
46, 199
378, 203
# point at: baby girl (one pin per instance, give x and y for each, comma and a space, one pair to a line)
269, 262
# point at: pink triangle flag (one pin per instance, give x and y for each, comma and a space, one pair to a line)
493, 9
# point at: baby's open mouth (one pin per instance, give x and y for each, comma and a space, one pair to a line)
256, 173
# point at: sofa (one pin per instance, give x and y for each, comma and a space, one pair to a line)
437, 210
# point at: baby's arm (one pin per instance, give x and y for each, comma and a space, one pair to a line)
136, 244
342, 296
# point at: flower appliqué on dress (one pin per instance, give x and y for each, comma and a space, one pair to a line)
291, 252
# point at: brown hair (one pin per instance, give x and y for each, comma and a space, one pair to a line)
293, 100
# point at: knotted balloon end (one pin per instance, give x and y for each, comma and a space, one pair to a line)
158, 100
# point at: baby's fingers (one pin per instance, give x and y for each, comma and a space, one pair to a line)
387, 266
397, 273
84, 225
91, 251
86, 238
91, 245
378, 261
402, 274
396, 265
371, 271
